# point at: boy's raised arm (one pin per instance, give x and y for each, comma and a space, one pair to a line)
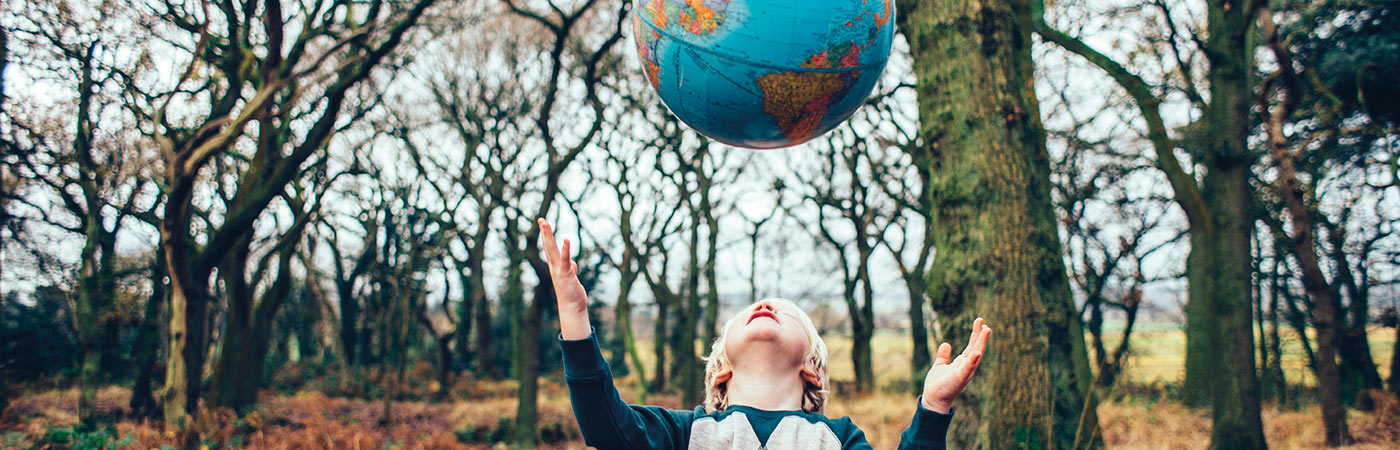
604, 419
945, 380
568, 292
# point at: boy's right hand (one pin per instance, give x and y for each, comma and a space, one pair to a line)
568, 292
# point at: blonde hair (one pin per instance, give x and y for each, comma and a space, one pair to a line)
813, 396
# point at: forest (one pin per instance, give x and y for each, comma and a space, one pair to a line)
312, 223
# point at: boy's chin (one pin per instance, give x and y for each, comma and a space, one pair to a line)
768, 338
762, 330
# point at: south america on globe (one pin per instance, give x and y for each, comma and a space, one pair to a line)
763, 73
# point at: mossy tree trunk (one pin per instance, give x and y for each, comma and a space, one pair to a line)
148, 342
248, 325
96, 324
250, 90
998, 252
1226, 243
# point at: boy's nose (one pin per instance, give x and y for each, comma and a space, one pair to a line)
766, 306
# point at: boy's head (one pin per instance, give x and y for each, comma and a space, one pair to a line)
773, 334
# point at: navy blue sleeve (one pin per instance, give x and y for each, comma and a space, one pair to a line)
852, 438
604, 419
928, 431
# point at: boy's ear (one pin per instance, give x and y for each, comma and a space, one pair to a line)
810, 376
722, 377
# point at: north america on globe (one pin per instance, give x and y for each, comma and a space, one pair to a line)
763, 73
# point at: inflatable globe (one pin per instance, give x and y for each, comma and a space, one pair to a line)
763, 73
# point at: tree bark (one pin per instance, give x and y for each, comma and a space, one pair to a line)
688, 322
235, 340
998, 250
485, 346
711, 259
863, 321
918, 329
1229, 198
1393, 383
1326, 304
148, 343
96, 325
532, 322
628, 277
658, 345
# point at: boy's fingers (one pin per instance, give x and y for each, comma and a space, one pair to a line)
945, 351
968, 366
547, 236
972, 340
982, 339
564, 254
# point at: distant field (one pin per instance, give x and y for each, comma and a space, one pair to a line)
1157, 354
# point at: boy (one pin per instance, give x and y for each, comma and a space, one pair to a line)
765, 383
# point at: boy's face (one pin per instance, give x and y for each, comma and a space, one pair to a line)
772, 330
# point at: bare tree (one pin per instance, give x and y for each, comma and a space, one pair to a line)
853, 216
1213, 192
567, 54
313, 58
87, 168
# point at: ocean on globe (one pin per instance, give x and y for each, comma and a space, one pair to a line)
763, 73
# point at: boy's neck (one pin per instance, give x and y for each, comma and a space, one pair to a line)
780, 391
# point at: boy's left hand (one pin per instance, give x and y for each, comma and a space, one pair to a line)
948, 378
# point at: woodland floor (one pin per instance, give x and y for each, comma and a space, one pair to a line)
312, 413
314, 421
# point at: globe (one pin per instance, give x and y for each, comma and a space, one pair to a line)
763, 73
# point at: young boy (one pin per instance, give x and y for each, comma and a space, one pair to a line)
765, 383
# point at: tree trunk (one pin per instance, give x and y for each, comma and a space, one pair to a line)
1358, 370
863, 329
624, 319
235, 342
513, 297
485, 346
658, 345
1394, 381
999, 254
711, 285
688, 323
918, 330
1272, 382
1229, 199
148, 343
1202, 329
1220, 338
711, 259
349, 315
532, 321
1327, 312
465, 315
186, 337
4, 216
444, 375
96, 326
1235, 393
